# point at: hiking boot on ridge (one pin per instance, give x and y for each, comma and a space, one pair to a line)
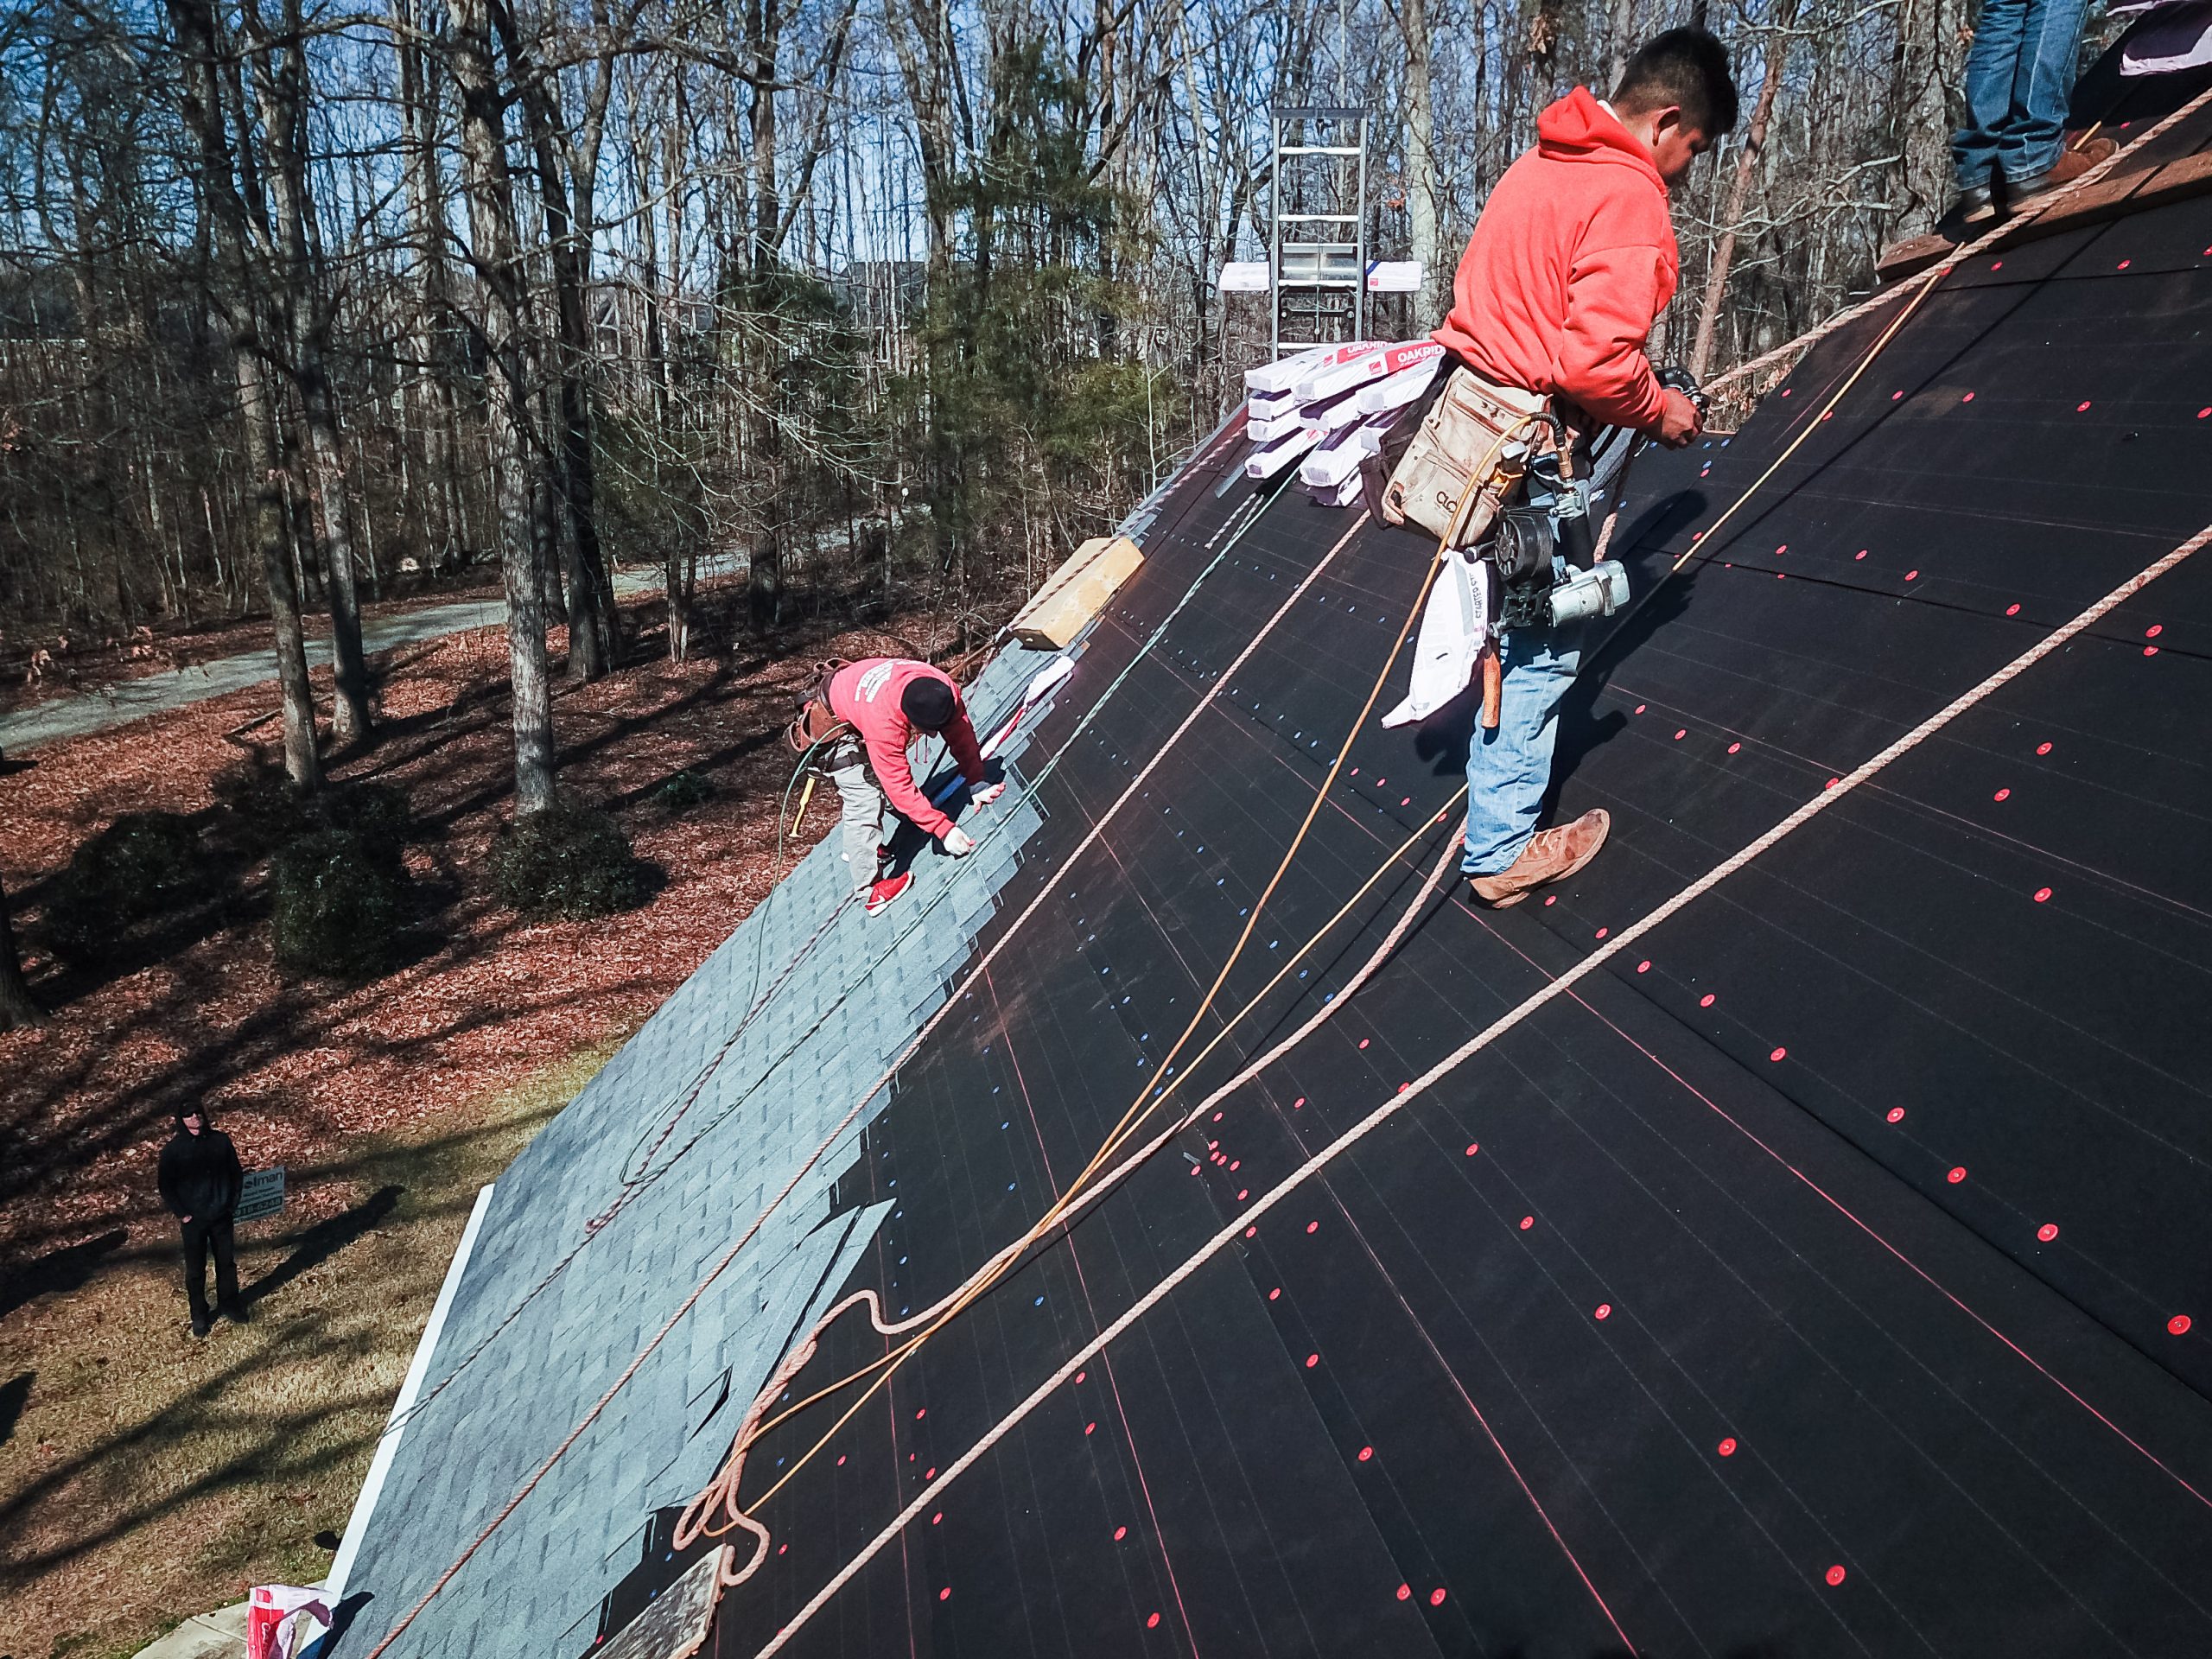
1550, 856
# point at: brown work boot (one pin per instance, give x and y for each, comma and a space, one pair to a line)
1550, 856
2070, 165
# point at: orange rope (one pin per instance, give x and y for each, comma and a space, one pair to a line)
716, 1510
1550, 991
722, 1264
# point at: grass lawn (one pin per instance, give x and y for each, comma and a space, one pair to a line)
145, 1477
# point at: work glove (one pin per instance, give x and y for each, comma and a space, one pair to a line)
984, 794
958, 842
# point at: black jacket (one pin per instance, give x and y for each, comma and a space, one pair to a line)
200, 1175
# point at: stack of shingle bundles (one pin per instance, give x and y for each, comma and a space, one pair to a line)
1276, 416
1330, 406
1331, 470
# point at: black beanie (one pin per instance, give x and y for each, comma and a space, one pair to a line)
928, 701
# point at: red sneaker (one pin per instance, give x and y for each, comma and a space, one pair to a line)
879, 896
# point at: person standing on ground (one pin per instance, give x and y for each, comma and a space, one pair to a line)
1571, 262
199, 1182
2019, 78
886, 702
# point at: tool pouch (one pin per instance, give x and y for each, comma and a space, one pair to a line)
812, 722
1467, 458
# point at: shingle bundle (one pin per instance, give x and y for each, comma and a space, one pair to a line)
1328, 408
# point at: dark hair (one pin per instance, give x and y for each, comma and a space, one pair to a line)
1683, 66
927, 701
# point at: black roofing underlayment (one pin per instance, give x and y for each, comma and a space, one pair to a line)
1828, 1274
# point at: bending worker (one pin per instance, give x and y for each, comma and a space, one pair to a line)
882, 704
1570, 264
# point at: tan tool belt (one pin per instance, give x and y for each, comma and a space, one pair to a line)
1470, 454
814, 722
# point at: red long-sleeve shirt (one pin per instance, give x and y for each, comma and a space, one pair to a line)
1572, 261
865, 695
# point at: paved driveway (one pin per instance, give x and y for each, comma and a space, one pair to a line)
83, 712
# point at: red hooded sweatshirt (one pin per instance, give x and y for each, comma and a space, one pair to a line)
865, 695
1571, 260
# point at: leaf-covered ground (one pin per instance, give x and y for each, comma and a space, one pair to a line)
144, 1477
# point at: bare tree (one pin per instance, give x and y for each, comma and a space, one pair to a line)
1739, 185
504, 322
898, 301
201, 96
280, 76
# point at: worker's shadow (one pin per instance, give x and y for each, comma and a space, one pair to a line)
323, 1239
1657, 598
908, 842
1582, 730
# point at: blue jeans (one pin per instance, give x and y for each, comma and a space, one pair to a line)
2019, 77
1510, 769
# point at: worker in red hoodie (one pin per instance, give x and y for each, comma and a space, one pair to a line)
888, 702
1570, 264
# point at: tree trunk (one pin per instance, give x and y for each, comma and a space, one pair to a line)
18, 1007
1739, 191
507, 411
1421, 163
230, 229
1622, 31
280, 79
590, 596
429, 387
272, 523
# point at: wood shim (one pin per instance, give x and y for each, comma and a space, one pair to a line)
674, 1624
1074, 593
